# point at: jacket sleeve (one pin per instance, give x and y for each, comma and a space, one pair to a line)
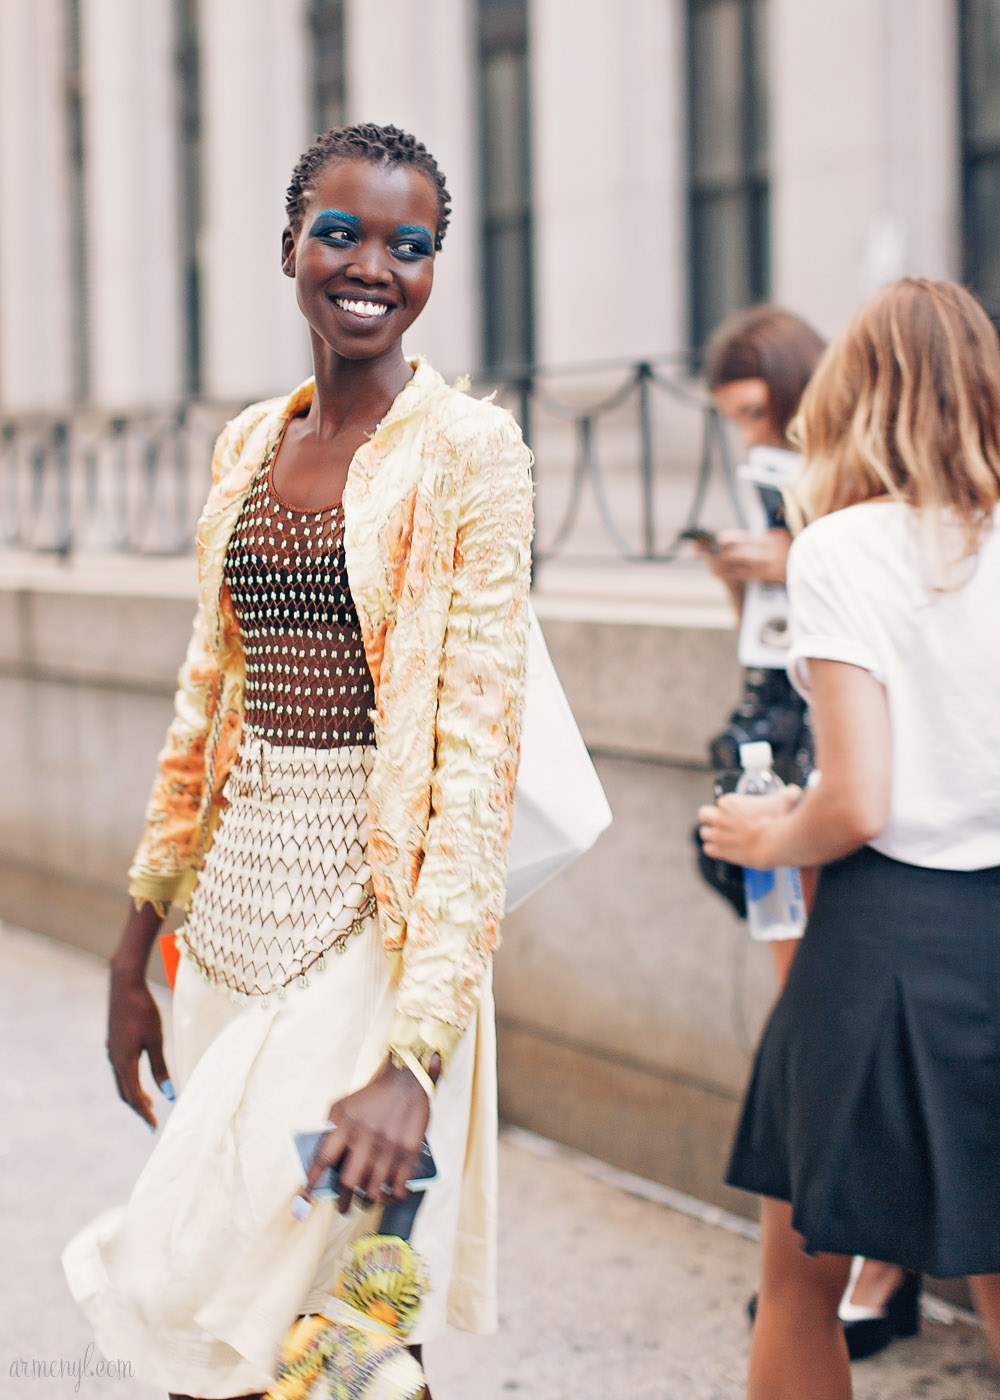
163, 868
454, 917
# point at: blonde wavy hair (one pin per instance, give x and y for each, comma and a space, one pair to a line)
905, 403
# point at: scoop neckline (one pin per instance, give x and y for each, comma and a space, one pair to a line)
299, 510
272, 487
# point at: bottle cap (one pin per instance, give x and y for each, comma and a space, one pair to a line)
757, 755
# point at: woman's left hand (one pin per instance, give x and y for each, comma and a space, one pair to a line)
737, 828
377, 1139
740, 556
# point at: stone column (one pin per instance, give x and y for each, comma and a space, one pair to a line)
131, 129
36, 317
413, 65
255, 124
865, 149
609, 178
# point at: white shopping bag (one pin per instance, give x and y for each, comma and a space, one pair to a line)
559, 805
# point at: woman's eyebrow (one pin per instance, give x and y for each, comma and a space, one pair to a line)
338, 214
414, 228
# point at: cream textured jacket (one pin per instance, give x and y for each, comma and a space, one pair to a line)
438, 520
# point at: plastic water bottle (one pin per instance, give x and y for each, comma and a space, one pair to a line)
775, 908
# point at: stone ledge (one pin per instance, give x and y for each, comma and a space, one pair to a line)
131, 575
94, 635
650, 678
667, 1129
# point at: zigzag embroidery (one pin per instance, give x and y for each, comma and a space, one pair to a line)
287, 880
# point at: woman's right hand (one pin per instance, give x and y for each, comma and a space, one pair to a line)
134, 1025
736, 828
376, 1142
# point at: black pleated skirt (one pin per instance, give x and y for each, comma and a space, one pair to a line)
874, 1103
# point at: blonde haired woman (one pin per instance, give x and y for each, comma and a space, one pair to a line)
873, 1114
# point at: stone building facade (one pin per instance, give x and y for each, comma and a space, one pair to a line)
622, 173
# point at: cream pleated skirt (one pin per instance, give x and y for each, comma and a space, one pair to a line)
197, 1279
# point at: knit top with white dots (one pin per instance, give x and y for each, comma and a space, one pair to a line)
307, 678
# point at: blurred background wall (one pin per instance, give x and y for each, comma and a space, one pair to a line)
623, 174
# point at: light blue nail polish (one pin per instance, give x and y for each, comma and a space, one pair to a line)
151, 1127
301, 1208
167, 1090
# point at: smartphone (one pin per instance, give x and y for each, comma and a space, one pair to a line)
328, 1185
706, 538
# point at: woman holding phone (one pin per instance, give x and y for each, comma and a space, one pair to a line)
757, 364
872, 1117
333, 809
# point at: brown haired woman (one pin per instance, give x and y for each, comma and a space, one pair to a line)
872, 1118
757, 364
333, 808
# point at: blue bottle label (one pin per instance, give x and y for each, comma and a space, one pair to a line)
758, 884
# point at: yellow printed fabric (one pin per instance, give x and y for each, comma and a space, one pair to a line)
438, 520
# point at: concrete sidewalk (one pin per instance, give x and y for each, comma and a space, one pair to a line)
606, 1295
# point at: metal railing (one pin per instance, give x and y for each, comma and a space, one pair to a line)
627, 395
114, 484
605, 439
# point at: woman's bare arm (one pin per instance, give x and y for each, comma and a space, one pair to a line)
847, 808
134, 1026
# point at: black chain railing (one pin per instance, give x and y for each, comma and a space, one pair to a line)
627, 394
603, 434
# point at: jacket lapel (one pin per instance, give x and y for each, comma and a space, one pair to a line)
379, 500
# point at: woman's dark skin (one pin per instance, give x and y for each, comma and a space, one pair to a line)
380, 255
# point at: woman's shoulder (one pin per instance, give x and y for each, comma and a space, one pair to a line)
475, 444
849, 534
468, 418
239, 432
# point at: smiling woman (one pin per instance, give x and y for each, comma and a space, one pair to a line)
336, 780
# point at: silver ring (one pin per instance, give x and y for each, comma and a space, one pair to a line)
362, 1198
385, 1189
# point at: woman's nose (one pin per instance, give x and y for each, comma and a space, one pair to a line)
370, 266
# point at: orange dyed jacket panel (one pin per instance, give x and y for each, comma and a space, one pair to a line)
438, 520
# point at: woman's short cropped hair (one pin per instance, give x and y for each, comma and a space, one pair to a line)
765, 342
906, 404
381, 145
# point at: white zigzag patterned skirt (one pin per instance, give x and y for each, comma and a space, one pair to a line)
287, 879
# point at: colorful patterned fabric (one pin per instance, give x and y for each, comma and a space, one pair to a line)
354, 1347
438, 519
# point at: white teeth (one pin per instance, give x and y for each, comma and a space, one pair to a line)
362, 308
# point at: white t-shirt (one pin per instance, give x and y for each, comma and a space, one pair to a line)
859, 593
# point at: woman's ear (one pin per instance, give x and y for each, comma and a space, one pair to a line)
288, 253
